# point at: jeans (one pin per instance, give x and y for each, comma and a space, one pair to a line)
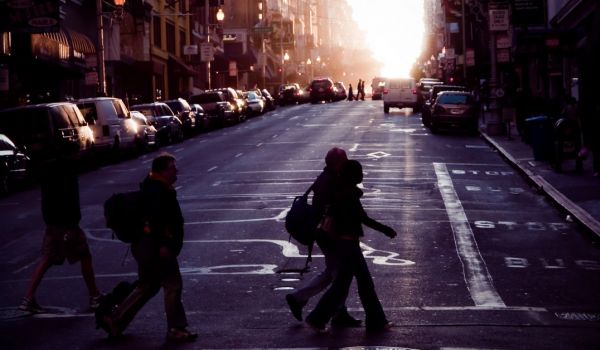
154, 272
351, 264
324, 278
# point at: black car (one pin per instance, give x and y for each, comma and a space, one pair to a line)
435, 90
322, 90
269, 100
288, 94
454, 109
218, 110
183, 111
169, 128
13, 165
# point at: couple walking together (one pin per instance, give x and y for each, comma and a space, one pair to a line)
337, 198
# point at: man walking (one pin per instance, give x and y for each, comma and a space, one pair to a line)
324, 190
63, 239
156, 254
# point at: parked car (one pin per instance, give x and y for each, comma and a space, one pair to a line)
183, 111
424, 89
169, 128
219, 111
202, 120
322, 89
269, 100
377, 86
14, 165
400, 93
237, 102
454, 108
109, 119
256, 105
435, 90
146, 132
46, 131
289, 94
340, 92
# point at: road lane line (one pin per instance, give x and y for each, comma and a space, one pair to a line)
479, 282
211, 169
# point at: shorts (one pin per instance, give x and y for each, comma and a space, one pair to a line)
62, 243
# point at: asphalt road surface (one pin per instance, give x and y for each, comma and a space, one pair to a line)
481, 260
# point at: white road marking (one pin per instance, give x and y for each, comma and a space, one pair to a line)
479, 282
259, 144
238, 155
354, 148
211, 169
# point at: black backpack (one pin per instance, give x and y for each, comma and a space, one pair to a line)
124, 214
301, 222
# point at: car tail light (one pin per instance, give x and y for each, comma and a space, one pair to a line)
385, 91
414, 91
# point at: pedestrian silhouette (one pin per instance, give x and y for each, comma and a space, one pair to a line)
324, 188
350, 93
63, 238
343, 223
156, 254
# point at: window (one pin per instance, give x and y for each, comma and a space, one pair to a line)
170, 38
156, 31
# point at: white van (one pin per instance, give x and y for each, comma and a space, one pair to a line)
113, 128
400, 93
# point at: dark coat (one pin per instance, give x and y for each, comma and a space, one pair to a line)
163, 213
348, 214
324, 190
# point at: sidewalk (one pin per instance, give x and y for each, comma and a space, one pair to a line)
578, 194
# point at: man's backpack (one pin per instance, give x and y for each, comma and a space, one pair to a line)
301, 222
124, 214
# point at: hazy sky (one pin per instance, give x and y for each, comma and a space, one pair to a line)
394, 31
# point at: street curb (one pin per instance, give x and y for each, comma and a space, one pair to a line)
577, 213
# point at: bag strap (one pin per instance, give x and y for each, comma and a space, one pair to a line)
308, 259
308, 190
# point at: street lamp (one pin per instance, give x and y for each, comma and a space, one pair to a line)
286, 57
220, 17
101, 66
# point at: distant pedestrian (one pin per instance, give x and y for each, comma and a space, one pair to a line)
324, 188
63, 239
350, 93
358, 87
156, 254
361, 90
344, 225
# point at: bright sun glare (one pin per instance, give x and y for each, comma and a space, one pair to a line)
394, 32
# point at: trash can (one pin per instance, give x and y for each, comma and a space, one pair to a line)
539, 131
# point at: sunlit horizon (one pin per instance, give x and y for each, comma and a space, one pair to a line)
394, 32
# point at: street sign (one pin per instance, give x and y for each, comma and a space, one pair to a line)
206, 52
190, 49
499, 20
262, 29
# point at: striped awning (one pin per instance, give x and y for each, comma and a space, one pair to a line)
63, 45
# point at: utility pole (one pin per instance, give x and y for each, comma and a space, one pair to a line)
207, 32
101, 88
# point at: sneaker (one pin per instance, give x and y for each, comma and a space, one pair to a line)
344, 320
295, 306
30, 305
181, 335
95, 301
380, 327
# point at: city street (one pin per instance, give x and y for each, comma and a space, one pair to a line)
481, 260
